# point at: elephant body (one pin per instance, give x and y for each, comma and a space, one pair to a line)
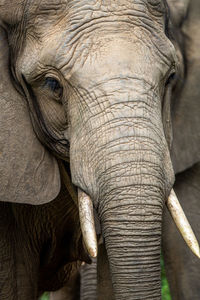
40, 247
86, 90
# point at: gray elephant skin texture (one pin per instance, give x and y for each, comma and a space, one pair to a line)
85, 93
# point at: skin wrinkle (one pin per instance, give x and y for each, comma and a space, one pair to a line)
84, 100
92, 27
73, 31
56, 115
138, 198
119, 166
84, 60
127, 78
136, 165
109, 169
98, 100
106, 173
103, 110
47, 230
105, 153
145, 176
141, 200
118, 146
38, 165
12, 245
134, 221
134, 126
109, 108
138, 239
55, 142
136, 137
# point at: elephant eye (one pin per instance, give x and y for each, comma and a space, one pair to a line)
170, 79
53, 84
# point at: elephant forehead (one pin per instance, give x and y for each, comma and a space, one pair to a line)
124, 56
63, 34
50, 6
76, 16
133, 49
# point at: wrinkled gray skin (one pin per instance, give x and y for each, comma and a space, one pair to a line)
88, 276
111, 61
40, 248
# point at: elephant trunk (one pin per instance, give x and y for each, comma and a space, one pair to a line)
124, 166
132, 233
133, 185
132, 191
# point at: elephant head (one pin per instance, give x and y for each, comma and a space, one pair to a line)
93, 76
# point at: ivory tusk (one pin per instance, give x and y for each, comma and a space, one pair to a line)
182, 223
87, 222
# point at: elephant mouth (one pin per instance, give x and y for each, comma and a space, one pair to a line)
88, 225
86, 215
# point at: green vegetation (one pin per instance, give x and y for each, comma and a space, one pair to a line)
165, 287
45, 297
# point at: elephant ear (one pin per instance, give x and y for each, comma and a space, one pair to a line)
178, 10
186, 103
28, 172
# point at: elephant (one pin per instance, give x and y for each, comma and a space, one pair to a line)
182, 268
40, 248
85, 124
